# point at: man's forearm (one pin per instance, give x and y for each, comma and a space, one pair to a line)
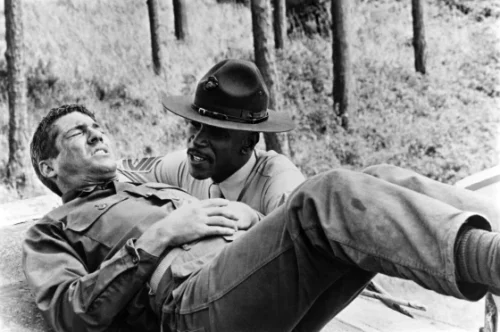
154, 240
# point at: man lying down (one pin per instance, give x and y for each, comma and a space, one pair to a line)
149, 257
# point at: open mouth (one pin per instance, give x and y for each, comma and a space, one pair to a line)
197, 157
100, 152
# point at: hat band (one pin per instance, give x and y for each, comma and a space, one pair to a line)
246, 116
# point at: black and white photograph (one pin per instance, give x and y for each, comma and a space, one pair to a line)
249, 165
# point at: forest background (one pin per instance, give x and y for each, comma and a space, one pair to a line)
445, 124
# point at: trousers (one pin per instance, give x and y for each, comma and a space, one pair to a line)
306, 261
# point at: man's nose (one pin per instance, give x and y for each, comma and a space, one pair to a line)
94, 136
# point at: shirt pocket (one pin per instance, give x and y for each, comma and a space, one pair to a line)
82, 218
162, 193
177, 197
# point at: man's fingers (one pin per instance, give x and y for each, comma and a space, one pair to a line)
221, 211
217, 230
222, 222
214, 202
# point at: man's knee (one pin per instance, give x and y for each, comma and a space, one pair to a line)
332, 178
381, 170
326, 186
401, 177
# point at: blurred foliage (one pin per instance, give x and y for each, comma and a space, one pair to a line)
476, 9
444, 125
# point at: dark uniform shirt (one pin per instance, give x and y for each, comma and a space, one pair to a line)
82, 263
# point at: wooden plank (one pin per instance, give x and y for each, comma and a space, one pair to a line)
482, 180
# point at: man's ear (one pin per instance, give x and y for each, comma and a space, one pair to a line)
47, 169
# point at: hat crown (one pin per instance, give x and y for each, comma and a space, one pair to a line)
232, 85
231, 95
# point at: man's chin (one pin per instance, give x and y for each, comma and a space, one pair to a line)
105, 171
198, 174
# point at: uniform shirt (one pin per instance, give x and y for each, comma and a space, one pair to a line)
81, 261
263, 183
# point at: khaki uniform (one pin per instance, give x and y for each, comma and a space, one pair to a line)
267, 186
336, 231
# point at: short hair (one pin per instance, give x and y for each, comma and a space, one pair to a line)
43, 143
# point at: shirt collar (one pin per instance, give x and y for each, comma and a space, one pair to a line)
232, 186
85, 191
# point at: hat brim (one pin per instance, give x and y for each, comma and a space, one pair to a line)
181, 106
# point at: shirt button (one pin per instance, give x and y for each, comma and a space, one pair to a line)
135, 260
101, 206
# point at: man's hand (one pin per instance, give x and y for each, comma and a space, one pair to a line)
246, 216
200, 219
189, 222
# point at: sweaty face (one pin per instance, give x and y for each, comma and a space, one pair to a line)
214, 152
85, 152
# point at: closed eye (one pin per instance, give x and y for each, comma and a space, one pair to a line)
74, 132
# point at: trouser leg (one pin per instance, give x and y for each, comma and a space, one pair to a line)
264, 281
337, 223
386, 228
460, 198
466, 200
320, 313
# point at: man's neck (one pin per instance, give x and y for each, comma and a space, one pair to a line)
231, 187
81, 184
229, 174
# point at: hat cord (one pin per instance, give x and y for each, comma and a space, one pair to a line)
247, 117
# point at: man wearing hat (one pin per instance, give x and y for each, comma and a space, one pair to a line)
122, 256
229, 109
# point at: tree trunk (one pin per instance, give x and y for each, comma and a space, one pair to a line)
154, 26
18, 163
264, 59
180, 19
419, 45
342, 65
279, 23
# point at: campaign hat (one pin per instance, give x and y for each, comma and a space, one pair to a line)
231, 95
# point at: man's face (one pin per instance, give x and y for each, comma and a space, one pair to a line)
85, 152
215, 152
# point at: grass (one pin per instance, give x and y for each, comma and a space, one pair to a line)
444, 124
